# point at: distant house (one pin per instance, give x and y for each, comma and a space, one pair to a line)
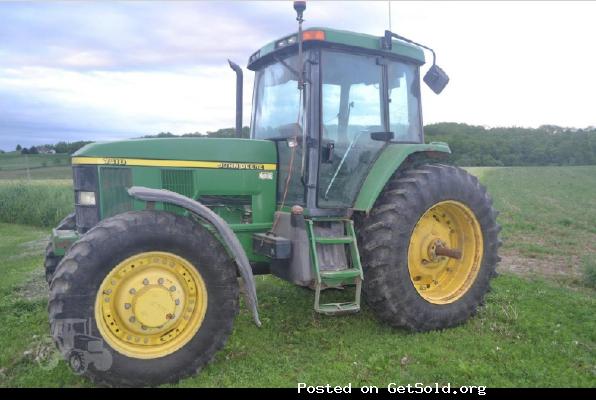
46, 150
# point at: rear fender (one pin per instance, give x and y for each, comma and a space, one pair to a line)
390, 159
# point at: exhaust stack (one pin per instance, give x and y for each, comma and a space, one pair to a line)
239, 80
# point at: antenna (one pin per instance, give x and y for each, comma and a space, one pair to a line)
389, 5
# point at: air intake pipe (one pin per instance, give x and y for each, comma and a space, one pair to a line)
239, 79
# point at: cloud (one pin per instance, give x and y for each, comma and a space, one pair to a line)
105, 70
107, 104
134, 35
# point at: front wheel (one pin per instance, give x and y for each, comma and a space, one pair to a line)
429, 248
155, 290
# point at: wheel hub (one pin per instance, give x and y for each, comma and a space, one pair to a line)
432, 249
151, 304
445, 252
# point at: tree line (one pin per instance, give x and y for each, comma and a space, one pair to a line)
58, 148
547, 145
471, 145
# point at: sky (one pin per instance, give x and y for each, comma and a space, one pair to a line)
114, 70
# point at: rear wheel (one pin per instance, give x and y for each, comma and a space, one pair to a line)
159, 291
429, 248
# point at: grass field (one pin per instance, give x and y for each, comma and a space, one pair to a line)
548, 216
538, 327
35, 166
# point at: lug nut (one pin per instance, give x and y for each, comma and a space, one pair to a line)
177, 301
132, 291
127, 306
172, 288
160, 281
145, 281
132, 319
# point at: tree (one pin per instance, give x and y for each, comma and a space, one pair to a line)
19, 148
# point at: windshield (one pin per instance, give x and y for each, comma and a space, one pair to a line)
276, 100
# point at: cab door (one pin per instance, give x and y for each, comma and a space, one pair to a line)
352, 102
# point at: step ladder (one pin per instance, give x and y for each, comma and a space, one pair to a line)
351, 273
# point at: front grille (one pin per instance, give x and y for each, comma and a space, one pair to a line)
114, 196
180, 181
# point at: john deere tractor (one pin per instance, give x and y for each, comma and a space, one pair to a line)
336, 187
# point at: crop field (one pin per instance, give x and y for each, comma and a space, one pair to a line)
537, 328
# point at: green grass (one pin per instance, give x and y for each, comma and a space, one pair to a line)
547, 215
544, 210
530, 333
40, 203
35, 166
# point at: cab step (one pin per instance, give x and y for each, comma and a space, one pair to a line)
333, 240
339, 308
336, 275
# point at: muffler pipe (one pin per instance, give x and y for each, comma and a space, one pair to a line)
239, 79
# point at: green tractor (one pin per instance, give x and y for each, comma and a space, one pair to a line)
335, 187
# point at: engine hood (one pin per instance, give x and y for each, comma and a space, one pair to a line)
178, 149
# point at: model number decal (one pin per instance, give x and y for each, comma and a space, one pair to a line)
114, 161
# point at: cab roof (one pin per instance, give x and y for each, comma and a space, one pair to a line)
335, 38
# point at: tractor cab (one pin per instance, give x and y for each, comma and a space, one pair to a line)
331, 107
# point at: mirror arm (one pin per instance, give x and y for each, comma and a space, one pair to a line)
387, 45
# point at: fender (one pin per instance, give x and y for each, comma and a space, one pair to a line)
222, 228
390, 159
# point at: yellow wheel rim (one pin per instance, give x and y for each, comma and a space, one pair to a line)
445, 252
151, 304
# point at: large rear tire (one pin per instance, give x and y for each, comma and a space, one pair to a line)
159, 291
429, 248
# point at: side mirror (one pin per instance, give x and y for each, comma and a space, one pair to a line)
436, 79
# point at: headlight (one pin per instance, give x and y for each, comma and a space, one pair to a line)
86, 198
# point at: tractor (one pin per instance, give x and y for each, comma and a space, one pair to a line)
335, 188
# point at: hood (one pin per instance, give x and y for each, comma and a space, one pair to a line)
184, 149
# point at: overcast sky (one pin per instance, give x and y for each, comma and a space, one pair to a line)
108, 70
